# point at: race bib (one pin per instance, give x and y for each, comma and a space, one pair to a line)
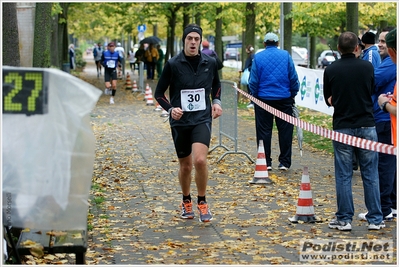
111, 64
193, 99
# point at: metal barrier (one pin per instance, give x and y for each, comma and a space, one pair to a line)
141, 77
228, 122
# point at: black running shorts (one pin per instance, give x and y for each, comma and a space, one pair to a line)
109, 74
185, 136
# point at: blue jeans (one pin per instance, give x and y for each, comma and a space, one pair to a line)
368, 163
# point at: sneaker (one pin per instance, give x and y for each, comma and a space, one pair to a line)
106, 91
282, 167
379, 226
269, 168
394, 213
362, 216
250, 105
342, 226
205, 214
111, 100
186, 210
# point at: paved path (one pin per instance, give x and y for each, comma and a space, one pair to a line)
135, 172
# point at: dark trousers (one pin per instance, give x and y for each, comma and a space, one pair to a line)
150, 70
264, 128
386, 169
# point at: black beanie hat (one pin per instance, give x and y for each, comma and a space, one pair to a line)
192, 28
368, 38
390, 39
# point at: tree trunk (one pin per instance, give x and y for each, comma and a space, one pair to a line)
11, 55
250, 23
287, 7
55, 44
63, 33
42, 39
218, 37
312, 56
352, 17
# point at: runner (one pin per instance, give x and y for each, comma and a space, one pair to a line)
110, 60
192, 77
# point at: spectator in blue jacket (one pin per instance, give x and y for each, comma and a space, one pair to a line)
370, 52
385, 79
274, 81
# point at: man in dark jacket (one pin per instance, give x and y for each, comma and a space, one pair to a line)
385, 79
192, 77
348, 87
274, 81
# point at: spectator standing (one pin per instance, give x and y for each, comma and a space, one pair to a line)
140, 56
110, 60
212, 53
152, 57
274, 81
121, 65
97, 53
388, 102
248, 64
385, 79
132, 60
71, 51
160, 60
370, 52
192, 78
348, 87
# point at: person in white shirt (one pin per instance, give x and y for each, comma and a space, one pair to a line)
121, 66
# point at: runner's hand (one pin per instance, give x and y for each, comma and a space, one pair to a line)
216, 111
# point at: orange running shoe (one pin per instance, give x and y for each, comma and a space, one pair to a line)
204, 212
186, 210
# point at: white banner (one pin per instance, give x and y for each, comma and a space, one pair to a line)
310, 93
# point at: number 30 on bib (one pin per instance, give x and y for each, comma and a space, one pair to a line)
193, 99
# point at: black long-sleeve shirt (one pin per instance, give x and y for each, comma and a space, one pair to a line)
350, 82
188, 73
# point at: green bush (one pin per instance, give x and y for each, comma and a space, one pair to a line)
79, 61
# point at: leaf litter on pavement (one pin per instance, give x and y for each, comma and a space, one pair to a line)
137, 221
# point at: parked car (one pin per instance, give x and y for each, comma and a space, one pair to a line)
327, 57
298, 58
232, 53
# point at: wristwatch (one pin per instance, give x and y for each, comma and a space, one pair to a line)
383, 107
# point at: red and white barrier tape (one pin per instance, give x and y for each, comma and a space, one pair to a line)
330, 134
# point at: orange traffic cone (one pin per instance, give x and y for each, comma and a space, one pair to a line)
261, 175
150, 101
305, 209
128, 82
134, 86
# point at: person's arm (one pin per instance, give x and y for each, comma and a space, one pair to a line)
294, 81
253, 80
216, 96
327, 90
103, 60
384, 101
162, 86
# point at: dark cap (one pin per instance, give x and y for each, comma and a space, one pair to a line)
111, 44
368, 38
390, 39
192, 28
359, 42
